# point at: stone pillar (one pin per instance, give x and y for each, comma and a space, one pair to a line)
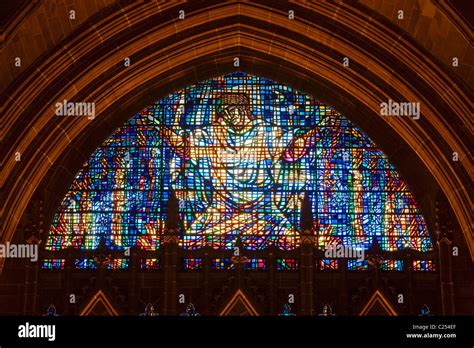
134, 286
70, 308
206, 268
239, 262
408, 266
307, 274
170, 268
33, 232
343, 292
31, 285
445, 245
271, 280
307, 258
446, 272
170, 262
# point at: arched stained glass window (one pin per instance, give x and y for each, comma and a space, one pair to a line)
239, 152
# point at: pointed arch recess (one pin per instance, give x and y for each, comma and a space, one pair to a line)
173, 54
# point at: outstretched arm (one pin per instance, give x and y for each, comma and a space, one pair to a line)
301, 143
179, 143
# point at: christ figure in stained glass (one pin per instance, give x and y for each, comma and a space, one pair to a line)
243, 162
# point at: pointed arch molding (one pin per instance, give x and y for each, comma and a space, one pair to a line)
167, 54
99, 299
239, 298
378, 299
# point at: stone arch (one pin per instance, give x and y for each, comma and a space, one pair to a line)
167, 54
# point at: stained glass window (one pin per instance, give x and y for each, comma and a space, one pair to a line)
85, 263
149, 264
256, 264
392, 265
287, 264
118, 264
328, 264
192, 264
424, 265
93, 263
239, 151
222, 264
53, 263
356, 265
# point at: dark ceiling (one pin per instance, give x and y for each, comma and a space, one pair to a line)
465, 8
8, 9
